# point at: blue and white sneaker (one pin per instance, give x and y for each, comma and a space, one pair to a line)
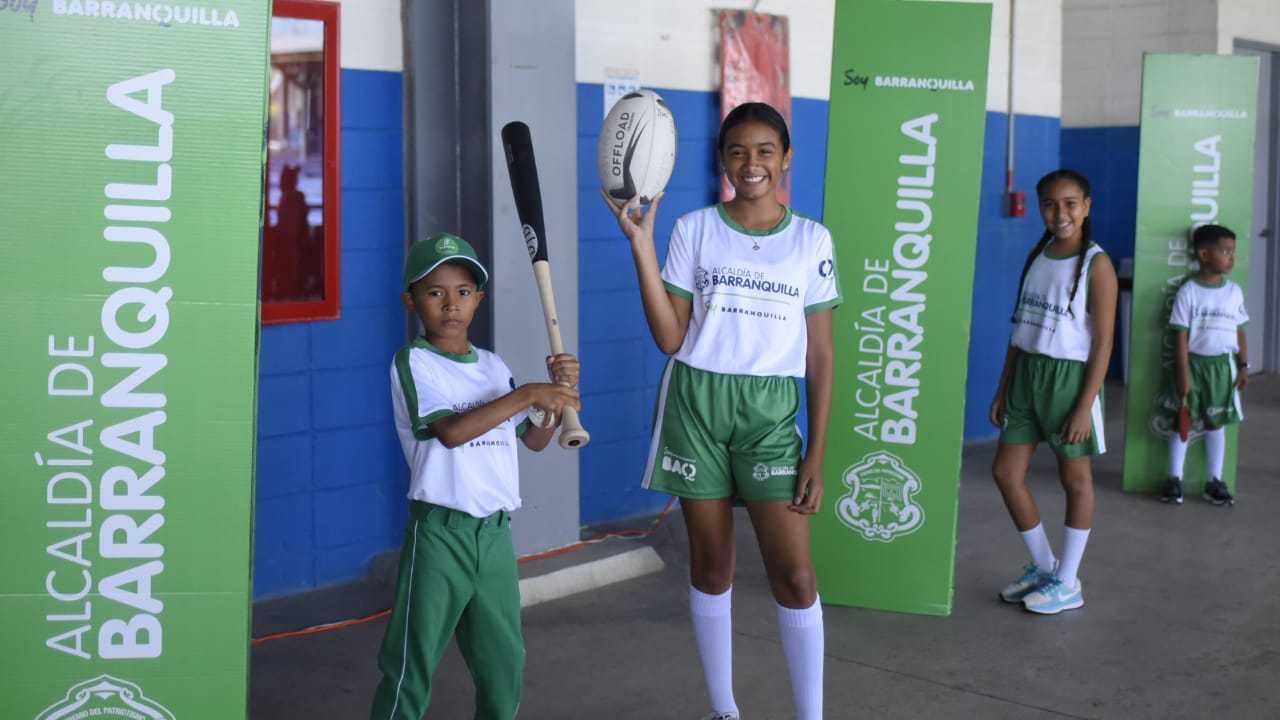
1032, 578
722, 716
1054, 596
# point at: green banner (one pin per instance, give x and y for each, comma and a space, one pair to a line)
904, 164
129, 226
1195, 167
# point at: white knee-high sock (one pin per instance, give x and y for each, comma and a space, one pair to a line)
804, 645
713, 630
1073, 542
1037, 543
1177, 455
1215, 446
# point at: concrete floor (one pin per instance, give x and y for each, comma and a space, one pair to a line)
1182, 621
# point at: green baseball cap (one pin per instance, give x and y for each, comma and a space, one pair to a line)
427, 255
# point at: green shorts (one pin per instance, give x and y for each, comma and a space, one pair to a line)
1214, 399
718, 436
1040, 396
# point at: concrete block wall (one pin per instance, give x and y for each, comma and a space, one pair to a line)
330, 476
1257, 21
1103, 45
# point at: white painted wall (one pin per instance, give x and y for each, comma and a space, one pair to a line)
371, 36
1037, 57
1104, 41
1254, 20
675, 44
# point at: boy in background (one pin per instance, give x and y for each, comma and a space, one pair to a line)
1211, 365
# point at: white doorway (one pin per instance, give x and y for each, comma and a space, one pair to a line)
1262, 282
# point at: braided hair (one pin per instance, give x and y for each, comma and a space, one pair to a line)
1086, 236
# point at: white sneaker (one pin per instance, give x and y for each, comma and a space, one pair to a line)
1054, 596
722, 716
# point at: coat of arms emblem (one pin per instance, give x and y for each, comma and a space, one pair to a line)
102, 696
880, 504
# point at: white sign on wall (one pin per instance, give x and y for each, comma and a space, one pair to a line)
619, 82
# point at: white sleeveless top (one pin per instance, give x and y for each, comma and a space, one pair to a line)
1047, 321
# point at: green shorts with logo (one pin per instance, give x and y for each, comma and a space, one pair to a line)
1214, 399
718, 436
1041, 395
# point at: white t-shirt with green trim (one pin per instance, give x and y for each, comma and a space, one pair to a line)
480, 477
750, 290
1211, 314
1047, 320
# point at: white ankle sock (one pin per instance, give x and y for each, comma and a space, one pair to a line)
1215, 446
713, 630
1037, 543
1073, 542
803, 644
1177, 456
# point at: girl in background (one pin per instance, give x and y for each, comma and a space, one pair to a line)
1050, 388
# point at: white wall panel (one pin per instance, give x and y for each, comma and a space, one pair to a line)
1256, 20
371, 35
1194, 17
1103, 45
1104, 41
1037, 57
674, 43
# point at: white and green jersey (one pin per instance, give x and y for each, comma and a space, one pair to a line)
1211, 314
1047, 321
479, 477
750, 289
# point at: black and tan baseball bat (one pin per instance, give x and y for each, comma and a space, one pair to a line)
522, 168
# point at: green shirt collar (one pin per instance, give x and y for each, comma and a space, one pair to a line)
469, 357
782, 224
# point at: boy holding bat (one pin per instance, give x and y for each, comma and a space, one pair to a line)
458, 413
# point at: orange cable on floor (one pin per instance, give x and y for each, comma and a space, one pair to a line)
657, 525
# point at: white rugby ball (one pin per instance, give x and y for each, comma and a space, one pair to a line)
637, 148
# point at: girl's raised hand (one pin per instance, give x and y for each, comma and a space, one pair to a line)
635, 222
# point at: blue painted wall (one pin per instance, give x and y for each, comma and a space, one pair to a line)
330, 476
1003, 244
330, 473
1108, 156
620, 364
